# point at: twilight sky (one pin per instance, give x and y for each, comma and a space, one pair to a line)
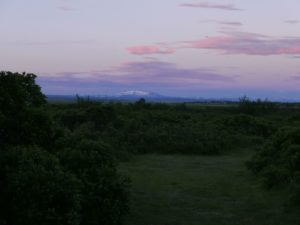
222, 48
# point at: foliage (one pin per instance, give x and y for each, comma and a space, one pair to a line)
19, 91
248, 125
144, 127
278, 162
52, 172
104, 193
35, 189
22, 119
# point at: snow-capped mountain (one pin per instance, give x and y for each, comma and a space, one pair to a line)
137, 93
134, 95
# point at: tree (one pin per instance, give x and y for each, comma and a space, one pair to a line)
21, 118
45, 179
246, 105
19, 91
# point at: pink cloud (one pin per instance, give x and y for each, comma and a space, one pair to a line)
150, 49
208, 5
249, 45
230, 43
211, 42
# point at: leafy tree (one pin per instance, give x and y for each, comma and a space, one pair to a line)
19, 91
51, 174
21, 118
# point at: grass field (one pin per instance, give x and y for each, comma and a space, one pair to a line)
201, 190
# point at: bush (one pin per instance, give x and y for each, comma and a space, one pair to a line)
247, 125
295, 190
104, 193
35, 189
278, 162
177, 136
75, 186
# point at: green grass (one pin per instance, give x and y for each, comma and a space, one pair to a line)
201, 190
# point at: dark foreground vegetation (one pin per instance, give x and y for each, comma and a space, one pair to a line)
58, 162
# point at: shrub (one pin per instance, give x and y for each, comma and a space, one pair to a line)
36, 190
278, 162
104, 193
247, 125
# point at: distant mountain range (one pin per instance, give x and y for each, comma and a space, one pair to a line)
127, 96
135, 95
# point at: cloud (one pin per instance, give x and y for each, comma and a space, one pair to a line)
145, 74
207, 5
66, 8
163, 72
229, 23
150, 49
235, 43
292, 21
248, 44
295, 77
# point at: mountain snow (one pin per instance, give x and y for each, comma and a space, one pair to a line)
138, 93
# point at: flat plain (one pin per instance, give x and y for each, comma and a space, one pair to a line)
206, 190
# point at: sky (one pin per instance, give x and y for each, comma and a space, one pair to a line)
188, 48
